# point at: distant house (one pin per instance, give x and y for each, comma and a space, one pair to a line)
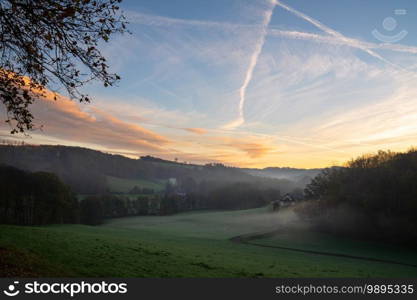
181, 194
285, 201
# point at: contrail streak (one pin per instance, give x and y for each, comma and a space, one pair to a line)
332, 32
252, 64
318, 38
154, 20
160, 21
309, 19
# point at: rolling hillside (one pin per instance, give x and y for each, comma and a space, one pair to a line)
90, 172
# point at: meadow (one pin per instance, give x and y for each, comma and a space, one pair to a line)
123, 185
193, 244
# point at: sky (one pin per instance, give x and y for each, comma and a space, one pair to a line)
249, 83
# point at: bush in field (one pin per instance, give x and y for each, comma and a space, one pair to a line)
169, 204
91, 212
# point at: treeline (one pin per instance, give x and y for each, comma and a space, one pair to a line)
213, 195
183, 196
84, 171
95, 209
138, 190
35, 198
374, 196
41, 198
229, 194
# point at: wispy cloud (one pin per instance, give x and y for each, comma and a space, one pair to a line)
253, 150
196, 130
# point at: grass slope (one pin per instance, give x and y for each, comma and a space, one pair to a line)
188, 245
315, 241
123, 185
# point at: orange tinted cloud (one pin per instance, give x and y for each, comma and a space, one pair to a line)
252, 146
253, 150
196, 130
64, 119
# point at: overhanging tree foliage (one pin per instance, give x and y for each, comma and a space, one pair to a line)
52, 44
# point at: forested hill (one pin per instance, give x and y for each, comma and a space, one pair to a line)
88, 171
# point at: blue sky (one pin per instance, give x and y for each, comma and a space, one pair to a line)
253, 83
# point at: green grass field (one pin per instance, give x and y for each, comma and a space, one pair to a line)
123, 185
81, 197
195, 244
314, 241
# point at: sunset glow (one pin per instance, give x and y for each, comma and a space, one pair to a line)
247, 83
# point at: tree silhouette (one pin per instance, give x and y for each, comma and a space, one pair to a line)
374, 196
52, 44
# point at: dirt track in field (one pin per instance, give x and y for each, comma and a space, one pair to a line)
249, 239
